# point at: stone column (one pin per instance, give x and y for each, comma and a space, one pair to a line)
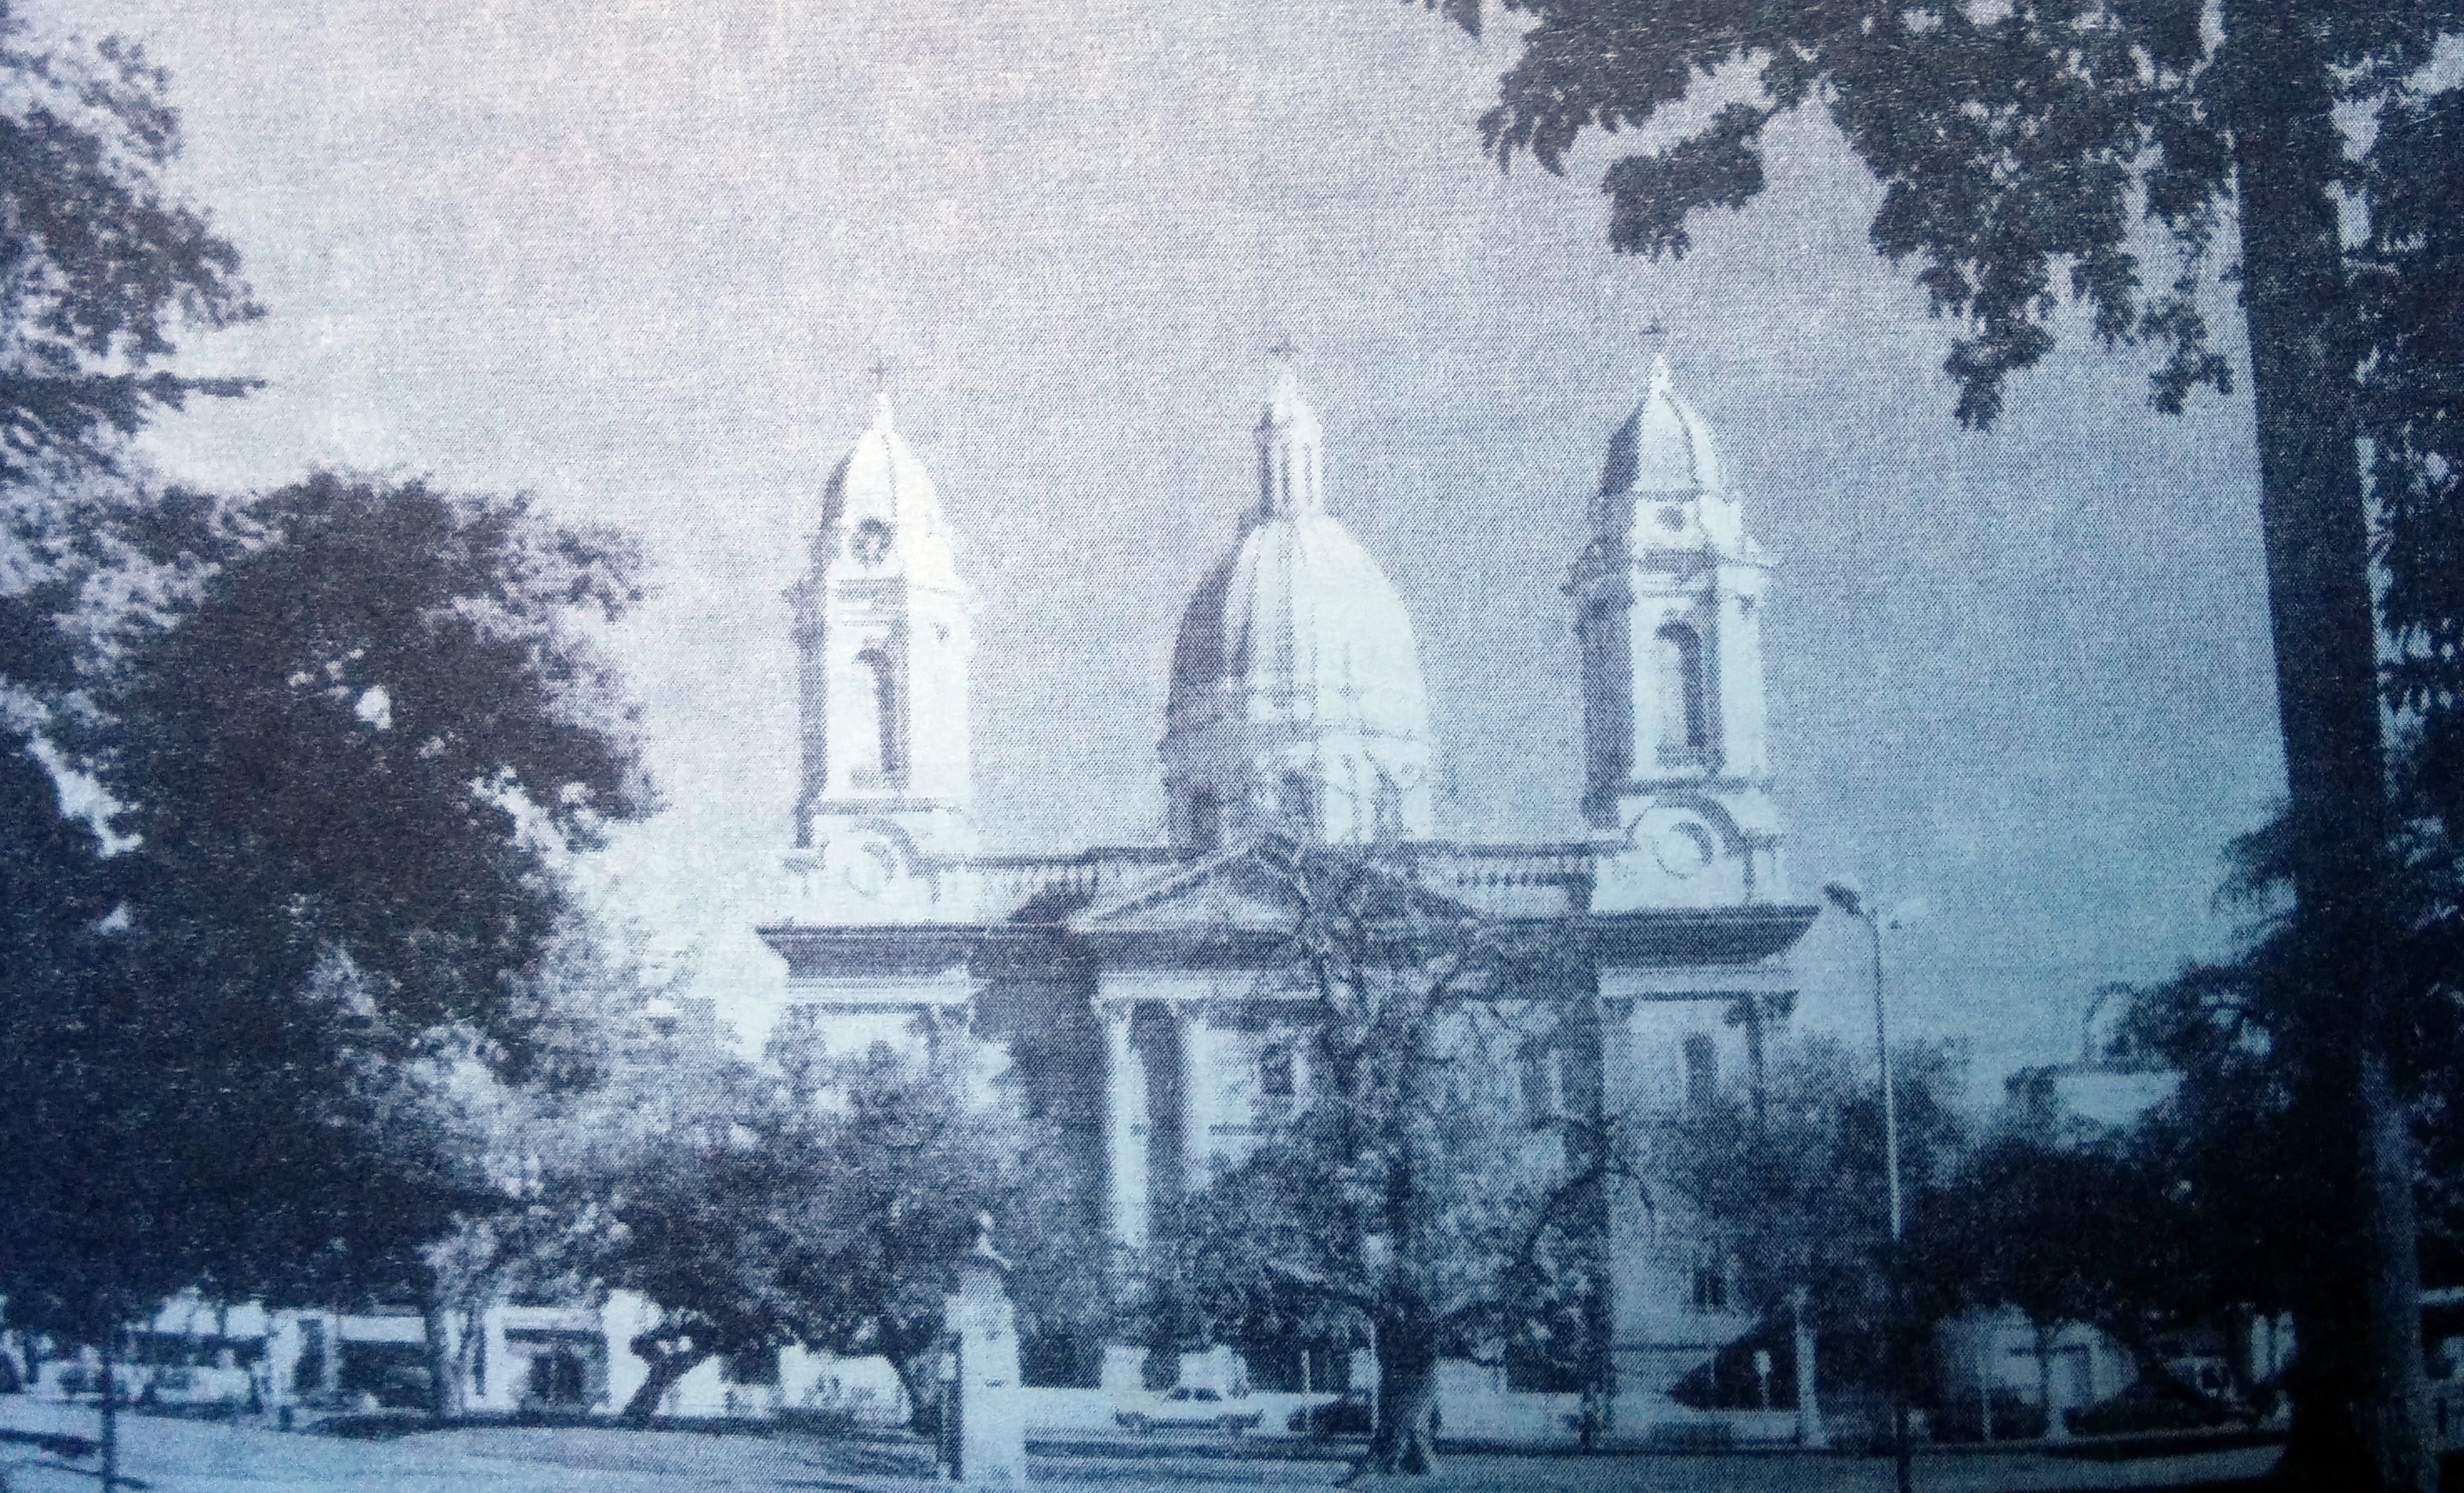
1190, 1043
1125, 1122
1631, 1262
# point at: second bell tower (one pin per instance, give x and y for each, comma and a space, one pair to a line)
1667, 596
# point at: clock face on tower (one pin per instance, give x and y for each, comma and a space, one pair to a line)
872, 543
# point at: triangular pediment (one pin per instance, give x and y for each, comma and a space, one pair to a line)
1255, 888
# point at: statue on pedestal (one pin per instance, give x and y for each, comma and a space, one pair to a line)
983, 1416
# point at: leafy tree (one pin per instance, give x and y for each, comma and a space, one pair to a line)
1795, 1176
2064, 1233
340, 770
541, 1158
1408, 1196
101, 266
2022, 148
909, 1154
709, 1236
101, 262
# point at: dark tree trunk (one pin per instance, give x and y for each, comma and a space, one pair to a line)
110, 1436
446, 1392
923, 1394
1405, 1439
666, 1369
2360, 1398
910, 1350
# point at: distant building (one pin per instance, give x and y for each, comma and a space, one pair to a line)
1127, 981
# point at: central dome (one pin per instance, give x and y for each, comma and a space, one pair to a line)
1299, 624
1296, 700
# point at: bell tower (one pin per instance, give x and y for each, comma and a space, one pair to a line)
1667, 596
885, 795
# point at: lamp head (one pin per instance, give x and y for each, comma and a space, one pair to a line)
1846, 897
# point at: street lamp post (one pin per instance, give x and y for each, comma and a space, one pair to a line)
1849, 900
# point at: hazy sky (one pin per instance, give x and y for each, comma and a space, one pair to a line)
636, 256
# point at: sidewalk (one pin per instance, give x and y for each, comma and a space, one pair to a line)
203, 1457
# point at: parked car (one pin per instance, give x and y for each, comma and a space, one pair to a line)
197, 1386
78, 1380
2148, 1406
1190, 1409
1347, 1414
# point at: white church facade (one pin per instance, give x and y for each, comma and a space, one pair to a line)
1124, 981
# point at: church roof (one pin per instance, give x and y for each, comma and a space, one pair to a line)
1664, 447
1298, 623
881, 502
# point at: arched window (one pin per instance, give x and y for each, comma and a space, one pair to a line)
888, 742
1205, 820
1608, 688
1298, 802
1684, 706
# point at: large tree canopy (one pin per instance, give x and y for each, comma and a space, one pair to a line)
1791, 1173
909, 1154
1412, 1195
384, 713
100, 262
102, 265
343, 768
2030, 153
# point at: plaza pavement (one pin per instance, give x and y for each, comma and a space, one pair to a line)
203, 1457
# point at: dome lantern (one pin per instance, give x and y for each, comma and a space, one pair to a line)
1296, 704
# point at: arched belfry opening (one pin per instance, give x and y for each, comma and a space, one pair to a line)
1684, 703
886, 734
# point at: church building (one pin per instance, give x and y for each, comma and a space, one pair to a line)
1116, 976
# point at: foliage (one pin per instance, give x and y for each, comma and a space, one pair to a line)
709, 1236
2028, 151
2410, 287
1408, 1200
100, 262
101, 266
910, 1155
2064, 1233
1795, 1179
383, 717
341, 767
538, 1161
